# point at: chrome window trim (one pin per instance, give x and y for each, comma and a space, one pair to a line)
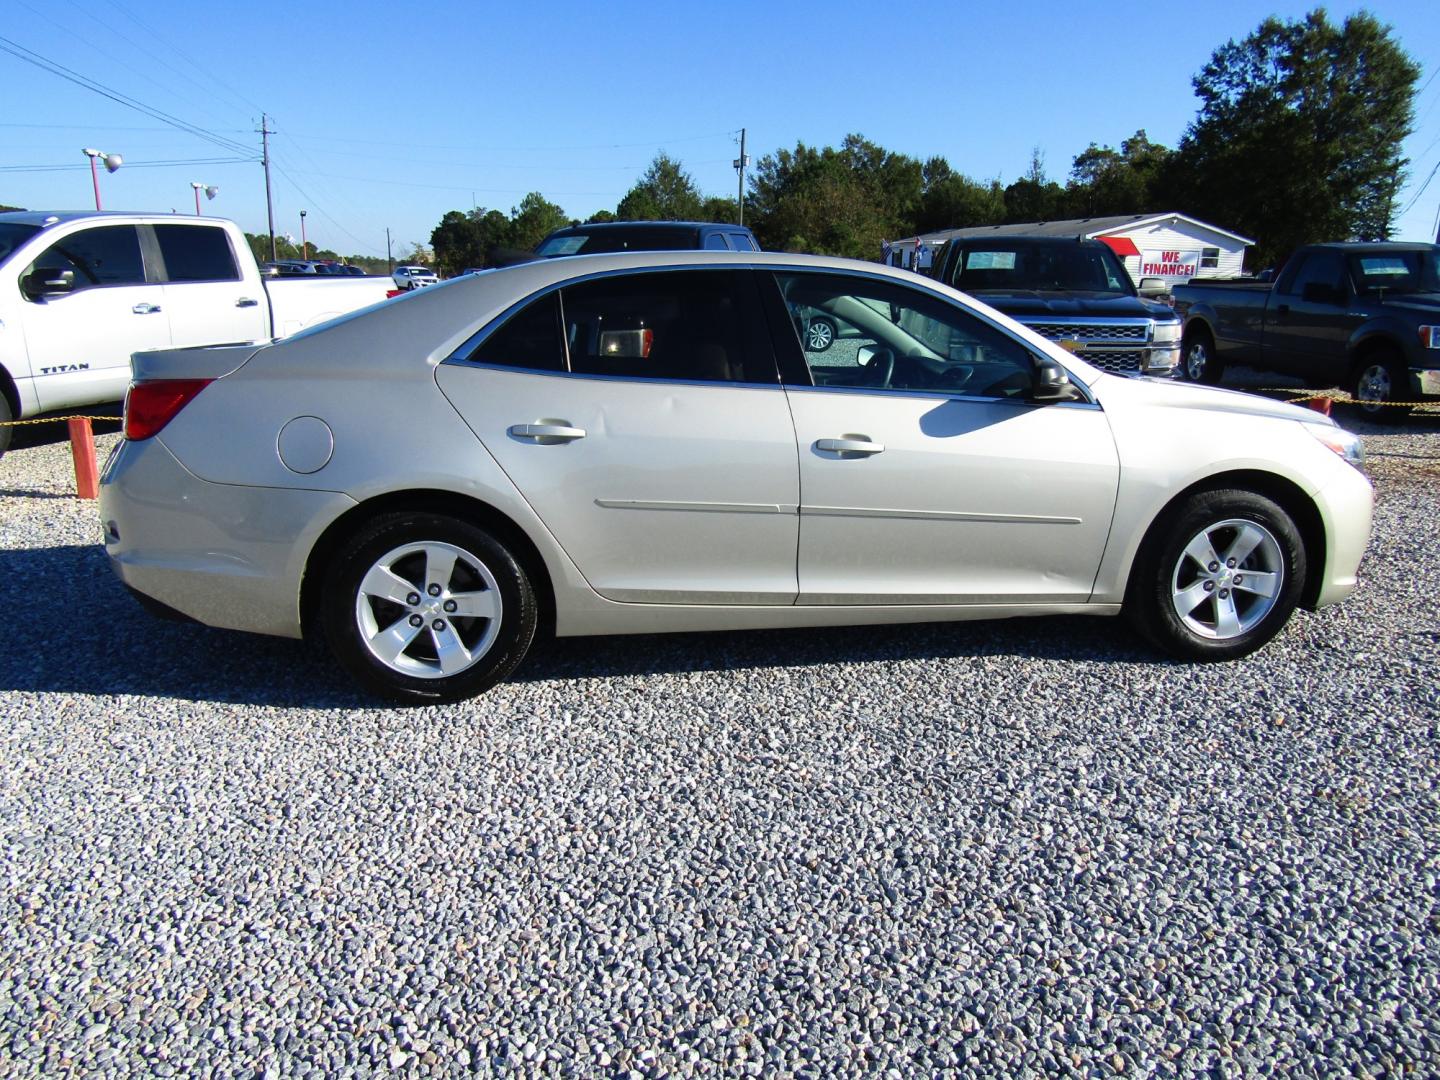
941, 395
579, 375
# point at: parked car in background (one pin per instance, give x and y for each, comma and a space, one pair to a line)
292, 267
611, 236
414, 277
1363, 316
1072, 291
639, 442
81, 292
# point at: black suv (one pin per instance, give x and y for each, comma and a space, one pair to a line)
609, 236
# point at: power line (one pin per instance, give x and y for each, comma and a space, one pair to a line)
20, 52
509, 149
163, 164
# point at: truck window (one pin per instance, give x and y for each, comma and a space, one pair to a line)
716, 241
1316, 268
196, 253
108, 255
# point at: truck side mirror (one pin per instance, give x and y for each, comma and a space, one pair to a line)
1052, 383
41, 284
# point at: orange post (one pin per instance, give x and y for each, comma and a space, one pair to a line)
82, 450
1319, 404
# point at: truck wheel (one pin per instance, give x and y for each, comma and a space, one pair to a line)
1380, 378
424, 609
1218, 576
5, 417
1198, 361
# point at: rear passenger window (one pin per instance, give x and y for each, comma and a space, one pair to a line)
741, 242
716, 240
529, 339
108, 255
196, 253
688, 325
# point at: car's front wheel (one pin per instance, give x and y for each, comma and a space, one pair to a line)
1380, 380
1198, 361
422, 608
1218, 577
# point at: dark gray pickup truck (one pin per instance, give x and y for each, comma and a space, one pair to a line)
1362, 316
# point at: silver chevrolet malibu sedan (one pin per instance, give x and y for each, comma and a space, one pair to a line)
642, 442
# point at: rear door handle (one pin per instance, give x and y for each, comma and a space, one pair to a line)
146, 309
547, 432
850, 446
246, 301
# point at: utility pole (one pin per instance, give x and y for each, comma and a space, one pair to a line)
740, 163
390, 259
265, 158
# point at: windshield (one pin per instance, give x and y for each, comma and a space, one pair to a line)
1001, 267
1397, 271
607, 240
12, 235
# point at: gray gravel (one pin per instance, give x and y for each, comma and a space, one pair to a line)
1024, 848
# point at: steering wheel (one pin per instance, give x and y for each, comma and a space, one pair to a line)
880, 368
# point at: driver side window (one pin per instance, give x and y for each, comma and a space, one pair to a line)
871, 334
108, 255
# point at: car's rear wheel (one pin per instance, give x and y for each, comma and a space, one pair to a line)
1198, 361
422, 608
1218, 577
1380, 380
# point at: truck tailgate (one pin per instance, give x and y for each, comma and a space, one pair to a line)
297, 304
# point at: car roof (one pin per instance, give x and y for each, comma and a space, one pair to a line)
1377, 246
618, 226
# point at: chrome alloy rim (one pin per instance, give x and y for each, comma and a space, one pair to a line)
1195, 358
1374, 384
1227, 579
820, 336
428, 610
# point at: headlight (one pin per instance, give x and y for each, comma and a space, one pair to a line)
1166, 332
1345, 444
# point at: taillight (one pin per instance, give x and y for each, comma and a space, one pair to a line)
149, 406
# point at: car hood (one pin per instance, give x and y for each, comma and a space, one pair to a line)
1020, 305
1171, 394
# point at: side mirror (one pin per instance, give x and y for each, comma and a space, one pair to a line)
1053, 384
1153, 285
42, 284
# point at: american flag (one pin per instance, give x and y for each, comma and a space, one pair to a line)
885, 250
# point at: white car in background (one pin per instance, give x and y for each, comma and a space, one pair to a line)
413, 277
641, 442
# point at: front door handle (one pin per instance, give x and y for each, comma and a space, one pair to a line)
848, 446
547, 432
146, 309
246, 301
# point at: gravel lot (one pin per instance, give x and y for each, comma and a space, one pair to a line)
1026, 846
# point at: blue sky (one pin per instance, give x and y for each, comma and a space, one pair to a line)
390, 114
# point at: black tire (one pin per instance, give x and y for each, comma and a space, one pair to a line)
6, 432
819, 334
1198, 362
1167, 574
484, 574
1380, 378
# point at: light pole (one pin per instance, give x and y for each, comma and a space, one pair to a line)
304, 246
210, 192
112, 162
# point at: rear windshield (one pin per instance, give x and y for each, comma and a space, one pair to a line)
12, 235
599, 242
1397, 271
1002, 267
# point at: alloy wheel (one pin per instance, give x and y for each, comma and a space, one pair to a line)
1227, 579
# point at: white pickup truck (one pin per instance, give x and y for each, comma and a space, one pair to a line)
80, 292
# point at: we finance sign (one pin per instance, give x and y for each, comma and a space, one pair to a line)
1171, 265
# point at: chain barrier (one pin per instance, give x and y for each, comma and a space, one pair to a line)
56, 420
1343, 399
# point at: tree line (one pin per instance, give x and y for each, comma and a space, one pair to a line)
1297, 140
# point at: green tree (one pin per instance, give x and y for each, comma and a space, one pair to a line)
1106, 181
1299, 133
664, 193
836, 201
951, 200
533, 220
1034, 197
718, 208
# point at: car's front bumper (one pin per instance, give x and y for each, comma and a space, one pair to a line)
1346, 507
223, 554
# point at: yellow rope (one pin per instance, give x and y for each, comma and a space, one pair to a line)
56, 420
